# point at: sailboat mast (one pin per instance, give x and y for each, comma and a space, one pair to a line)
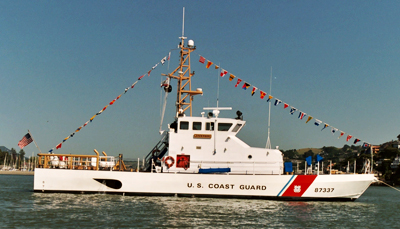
5, 159
183, 75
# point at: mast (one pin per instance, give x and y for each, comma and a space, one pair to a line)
183, 75
268, 145
5, 159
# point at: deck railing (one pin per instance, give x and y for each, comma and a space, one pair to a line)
237, 167
70, 161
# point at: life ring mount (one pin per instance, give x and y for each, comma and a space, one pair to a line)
169, 161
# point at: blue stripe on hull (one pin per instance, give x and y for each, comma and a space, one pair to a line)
284, 187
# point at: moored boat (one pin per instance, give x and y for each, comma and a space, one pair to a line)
196, 156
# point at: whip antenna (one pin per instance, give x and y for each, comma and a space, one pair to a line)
268, 145
183, 22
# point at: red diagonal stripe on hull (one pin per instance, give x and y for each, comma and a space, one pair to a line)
302, 182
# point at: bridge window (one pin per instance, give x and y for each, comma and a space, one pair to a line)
209, 126
196, 126
184, 125
224, 126
236, 128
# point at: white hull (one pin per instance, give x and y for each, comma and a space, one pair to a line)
329, 187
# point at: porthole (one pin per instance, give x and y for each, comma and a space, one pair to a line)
250, 157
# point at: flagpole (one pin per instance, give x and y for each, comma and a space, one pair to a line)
322, 170
34, 141
305, 166
372, 159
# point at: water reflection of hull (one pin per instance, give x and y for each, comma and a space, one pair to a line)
313, 187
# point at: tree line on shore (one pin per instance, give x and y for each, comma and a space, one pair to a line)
344, 157
12, 158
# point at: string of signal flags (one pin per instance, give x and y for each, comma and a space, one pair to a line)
245, 86
240, 83
59, 145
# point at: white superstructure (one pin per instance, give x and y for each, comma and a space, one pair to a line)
211, 142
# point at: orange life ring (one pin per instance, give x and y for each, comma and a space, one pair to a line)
169, 161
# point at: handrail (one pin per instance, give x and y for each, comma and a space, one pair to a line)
160, 146
66, 155
234, 162
72, 161
239, 167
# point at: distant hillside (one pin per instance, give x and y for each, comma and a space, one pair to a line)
314, 150
4, 149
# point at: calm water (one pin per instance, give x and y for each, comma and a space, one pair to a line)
379, 207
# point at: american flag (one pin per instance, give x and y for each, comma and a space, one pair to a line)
25, 141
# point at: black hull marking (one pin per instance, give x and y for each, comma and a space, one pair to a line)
111, 183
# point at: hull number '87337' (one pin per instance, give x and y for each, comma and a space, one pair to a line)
324, 189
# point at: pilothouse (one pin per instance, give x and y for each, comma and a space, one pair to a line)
210, 142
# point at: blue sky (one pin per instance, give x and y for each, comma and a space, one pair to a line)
63, 61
